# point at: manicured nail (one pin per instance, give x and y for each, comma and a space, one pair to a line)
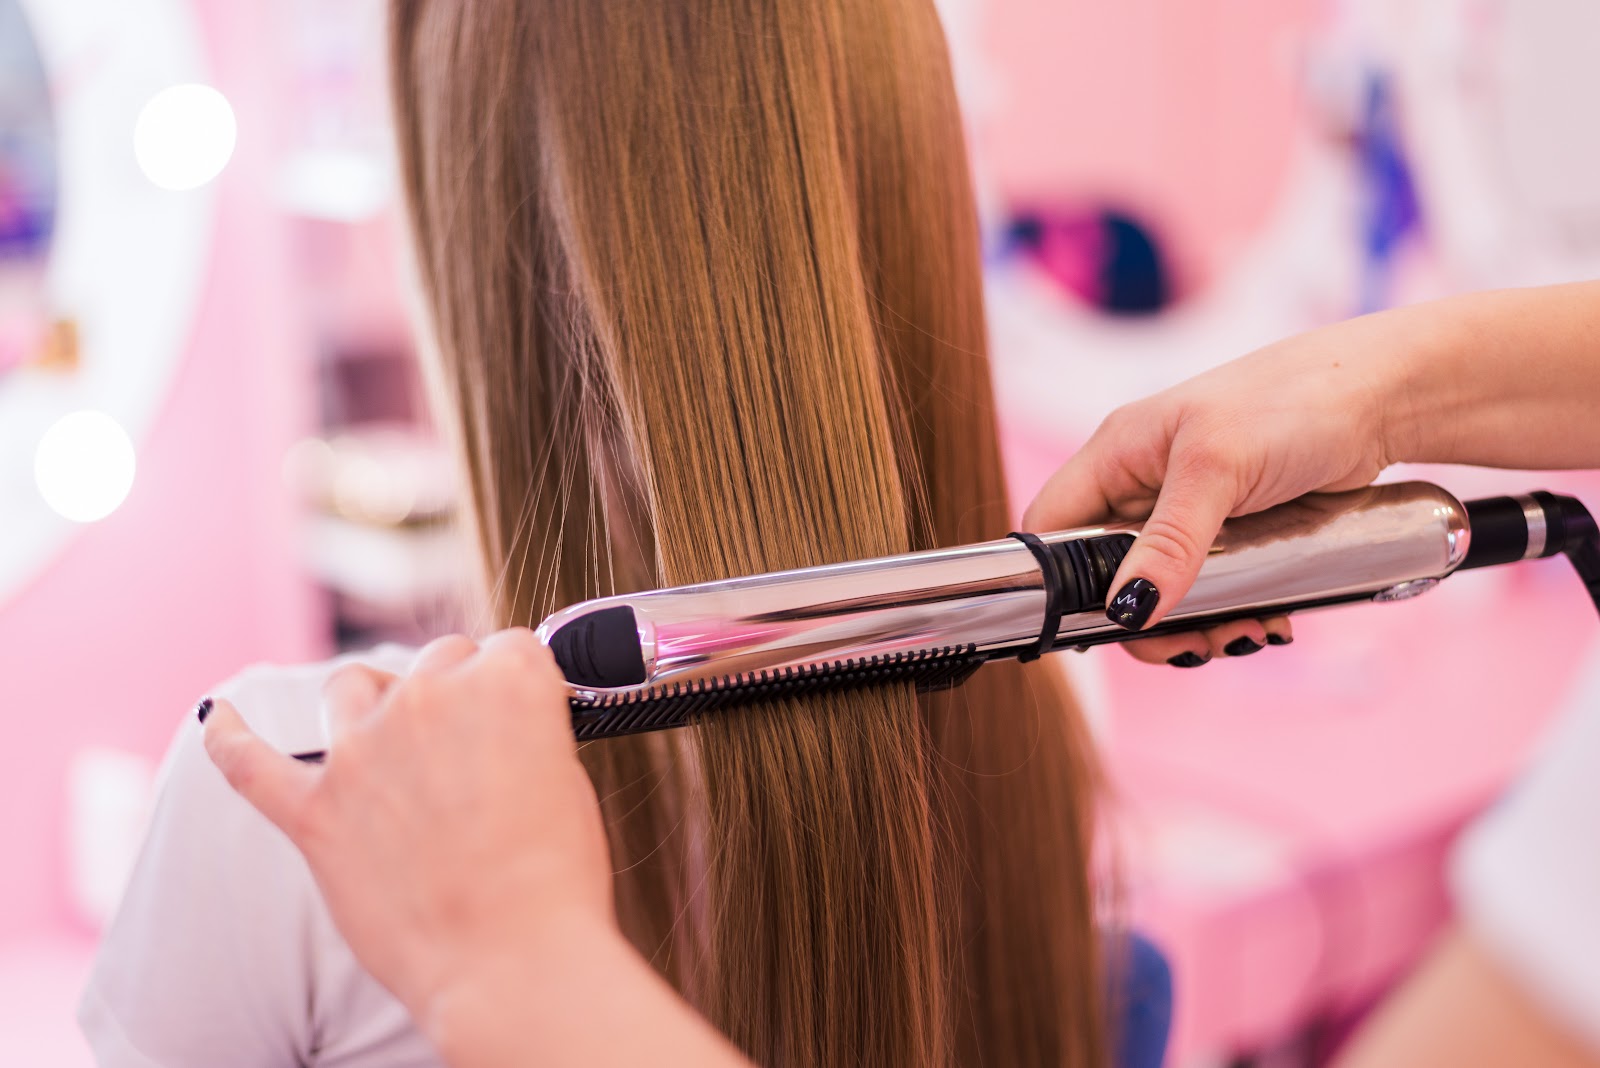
1132, 605
1189, 660
1278, 639
203, 709
1242, 647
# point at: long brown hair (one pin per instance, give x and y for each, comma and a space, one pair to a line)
704, 280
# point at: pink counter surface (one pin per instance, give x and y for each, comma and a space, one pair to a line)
40, 977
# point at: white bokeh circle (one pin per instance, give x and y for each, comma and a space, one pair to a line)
84, 466
184, 136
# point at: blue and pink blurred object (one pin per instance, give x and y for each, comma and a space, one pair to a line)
1105, 257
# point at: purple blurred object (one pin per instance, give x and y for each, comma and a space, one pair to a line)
1390, 211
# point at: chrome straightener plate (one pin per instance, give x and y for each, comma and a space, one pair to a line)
929, 617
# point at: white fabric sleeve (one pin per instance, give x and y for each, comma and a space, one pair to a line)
1526, 877
221, 952
205, 961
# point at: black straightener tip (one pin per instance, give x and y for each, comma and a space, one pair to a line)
600, 649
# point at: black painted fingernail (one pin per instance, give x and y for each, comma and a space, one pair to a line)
203, 709
1132, 605
1278, 639
1189, 660
1242, 647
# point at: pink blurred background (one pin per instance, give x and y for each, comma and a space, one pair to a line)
1166, 184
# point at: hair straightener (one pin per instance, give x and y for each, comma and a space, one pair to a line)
648, 661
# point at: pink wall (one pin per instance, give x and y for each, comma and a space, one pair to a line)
1181, 110
192, 577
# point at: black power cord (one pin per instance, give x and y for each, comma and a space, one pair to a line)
1501, 534
1578, 535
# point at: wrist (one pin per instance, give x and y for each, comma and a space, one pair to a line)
1419, 389
522, 974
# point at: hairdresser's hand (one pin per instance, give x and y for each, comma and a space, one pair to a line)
452, 823
1310, 413
458, 844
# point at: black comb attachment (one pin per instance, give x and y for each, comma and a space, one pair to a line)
676, 705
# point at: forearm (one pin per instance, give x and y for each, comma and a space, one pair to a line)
1500, 379
1460, 1009
585, 997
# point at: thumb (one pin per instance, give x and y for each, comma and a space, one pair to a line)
276, 784
1167, 554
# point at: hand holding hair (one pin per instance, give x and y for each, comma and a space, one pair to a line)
459, 846
1503, 379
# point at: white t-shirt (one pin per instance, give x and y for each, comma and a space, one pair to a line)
222, 952
1527, 876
